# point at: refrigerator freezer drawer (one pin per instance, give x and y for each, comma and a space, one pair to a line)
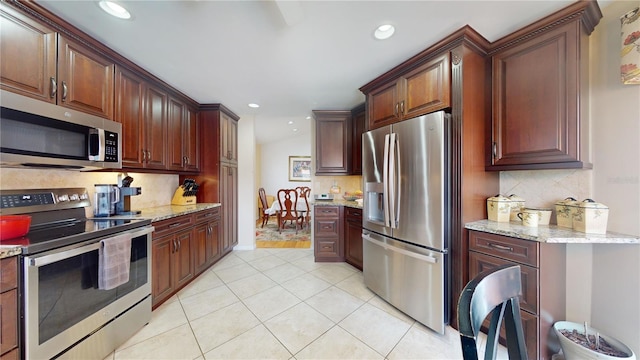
408, 277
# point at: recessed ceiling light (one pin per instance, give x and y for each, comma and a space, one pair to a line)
295, 130
114, 9
290, 122
384, 31
308, 118
253, 105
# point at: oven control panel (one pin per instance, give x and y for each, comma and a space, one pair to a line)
33, 200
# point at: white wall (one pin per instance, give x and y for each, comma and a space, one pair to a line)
603, 281
247, 205
275, 163
615, 116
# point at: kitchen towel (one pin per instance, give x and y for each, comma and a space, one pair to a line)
114, 258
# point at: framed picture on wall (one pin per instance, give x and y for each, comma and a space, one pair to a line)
299, 168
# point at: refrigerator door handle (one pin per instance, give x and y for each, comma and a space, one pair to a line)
394, 167
392, 181
427, 258
385, 182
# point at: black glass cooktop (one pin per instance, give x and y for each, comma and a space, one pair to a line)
52, 236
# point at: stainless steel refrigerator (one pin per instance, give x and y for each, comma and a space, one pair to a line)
405, 168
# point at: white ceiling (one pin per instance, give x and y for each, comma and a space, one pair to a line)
290, 57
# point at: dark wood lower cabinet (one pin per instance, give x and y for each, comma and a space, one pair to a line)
182, 248
9, 308
353, 236
542, 268
327, 234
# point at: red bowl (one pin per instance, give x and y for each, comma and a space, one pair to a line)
13, 226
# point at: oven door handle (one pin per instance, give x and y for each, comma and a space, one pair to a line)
38, 261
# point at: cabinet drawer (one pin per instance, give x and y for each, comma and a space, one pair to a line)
327, 247
8, 275
173, 224
327, 228
327, 211
8, 320
353, 212
207, 215
521, 251
529, 275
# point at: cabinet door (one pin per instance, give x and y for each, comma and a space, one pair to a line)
214, 248
191, 140
200, 239
536, 100
8, 320
129, 112
162, 279
426, 89
33, 45
85, 79
155, 128
384, 105
333, 142
176, 134
357, 129
229, 200
353, 237
228, 138
182, 258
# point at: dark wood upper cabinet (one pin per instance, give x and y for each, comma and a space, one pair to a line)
85, 79
184, 152
79, 78
36, 46
540, 100
155, 128
333, 142
358, 120
129, 112
419, 91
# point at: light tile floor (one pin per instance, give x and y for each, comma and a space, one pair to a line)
280, 304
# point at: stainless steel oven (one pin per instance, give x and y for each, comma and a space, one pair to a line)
66, 313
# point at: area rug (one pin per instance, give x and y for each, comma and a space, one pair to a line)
269, 236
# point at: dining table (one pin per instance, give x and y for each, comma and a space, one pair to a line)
301, 205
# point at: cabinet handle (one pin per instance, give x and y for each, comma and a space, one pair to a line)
64, 90
174, 225
174, 246
148, 155
402, 107
179, 245
501, 247
495, 149
53, 87
397, 105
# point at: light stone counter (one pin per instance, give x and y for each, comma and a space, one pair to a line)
167, 212
336, 202
549, 233
9, 251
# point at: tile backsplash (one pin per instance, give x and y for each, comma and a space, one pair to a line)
543, 188
322, 184
157, 189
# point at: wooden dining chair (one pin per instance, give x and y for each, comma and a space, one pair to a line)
288, 199
494, 291
303, 193
265, 206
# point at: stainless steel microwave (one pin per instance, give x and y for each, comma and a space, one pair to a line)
38, 134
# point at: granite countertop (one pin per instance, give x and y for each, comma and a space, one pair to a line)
153, 214
337, 202
549, 233
9, 251
168, 211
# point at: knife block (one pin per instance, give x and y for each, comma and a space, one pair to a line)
180, 199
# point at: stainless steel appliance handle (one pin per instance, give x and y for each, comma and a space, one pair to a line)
393, 181
427, 258
60, 255
385, 182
